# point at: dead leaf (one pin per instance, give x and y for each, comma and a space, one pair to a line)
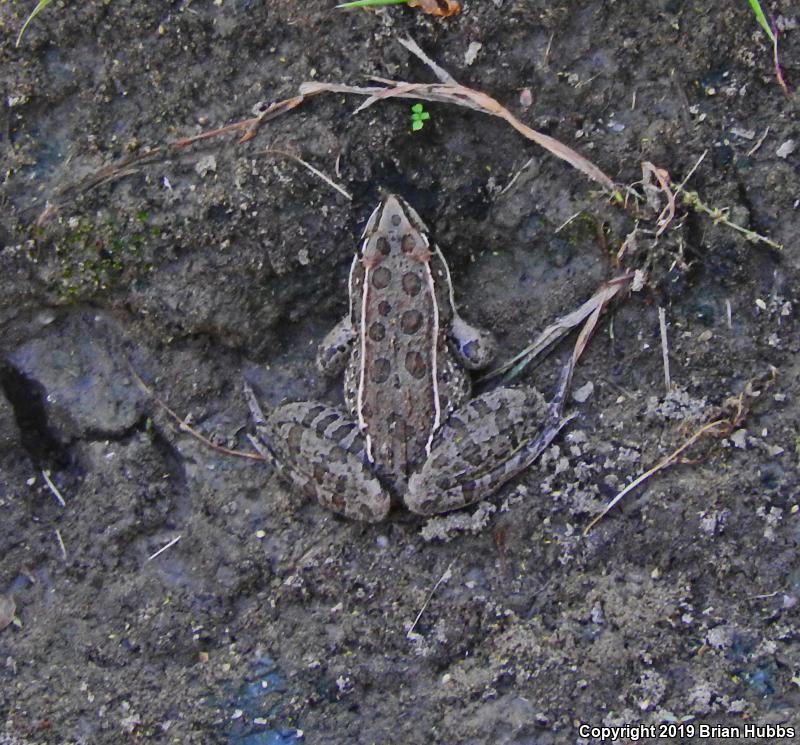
442, 8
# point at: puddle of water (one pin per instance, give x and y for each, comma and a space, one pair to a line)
251, 702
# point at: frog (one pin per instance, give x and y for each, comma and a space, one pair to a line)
410, 434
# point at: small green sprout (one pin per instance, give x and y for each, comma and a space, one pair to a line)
418, 117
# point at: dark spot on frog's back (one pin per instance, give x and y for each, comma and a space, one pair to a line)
408, 243
384, 308
381, 278
411, 321
380, 370
395, 220
415, 364
377, 331
383, 246
412, 284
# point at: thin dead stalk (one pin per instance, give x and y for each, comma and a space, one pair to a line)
662, 324
459, 95
446, 91
668, 461
759, 143
444, 578
316, 172
61, 544
54, 489
717, 215
183, 426
164, 548
561, 327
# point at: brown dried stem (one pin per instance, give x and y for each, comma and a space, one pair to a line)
184, 426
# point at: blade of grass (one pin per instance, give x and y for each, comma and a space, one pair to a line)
772, 33
762, 19
41, 5
370, 3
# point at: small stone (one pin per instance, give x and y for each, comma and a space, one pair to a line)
745, 134
739, 438
472, 52
582, 394
206, 164
786, 149
7, 610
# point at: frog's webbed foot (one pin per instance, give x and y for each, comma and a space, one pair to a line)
320, 450
334, 350
481, 446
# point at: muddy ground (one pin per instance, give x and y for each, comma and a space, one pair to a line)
272, 620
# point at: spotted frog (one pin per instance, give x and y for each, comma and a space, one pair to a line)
411, 435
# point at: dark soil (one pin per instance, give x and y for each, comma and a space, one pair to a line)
272, 620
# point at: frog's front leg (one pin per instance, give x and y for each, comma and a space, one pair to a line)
335, 349
319, 449
474, 346
482, 445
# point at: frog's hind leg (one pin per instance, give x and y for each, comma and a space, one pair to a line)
482, 445
321, 452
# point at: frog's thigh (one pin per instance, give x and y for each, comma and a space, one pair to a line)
481, 445
322, 452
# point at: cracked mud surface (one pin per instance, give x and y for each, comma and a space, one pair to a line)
270, 620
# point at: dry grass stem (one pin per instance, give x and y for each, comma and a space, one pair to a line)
650, 171
683, 183
438, 71
668, 461
183, 426
61, 544
444, 578
759, 143
566, 222
692, 199
662, 325
515, 177
54, 489
316, 172
561, 327
164, 548
447, 91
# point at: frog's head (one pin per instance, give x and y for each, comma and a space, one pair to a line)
394, 226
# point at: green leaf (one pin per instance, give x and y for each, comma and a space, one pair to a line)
762, 19
416, 125
417, 108
369, 3
424, 115
39, 6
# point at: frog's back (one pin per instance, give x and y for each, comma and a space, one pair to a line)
400, 309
